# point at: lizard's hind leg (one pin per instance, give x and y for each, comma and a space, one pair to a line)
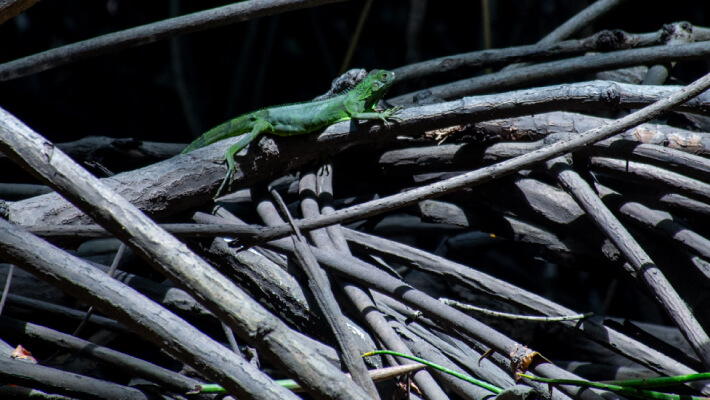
244, 140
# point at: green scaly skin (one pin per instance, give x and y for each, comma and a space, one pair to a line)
300, 118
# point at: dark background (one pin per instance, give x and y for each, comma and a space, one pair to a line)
235, 69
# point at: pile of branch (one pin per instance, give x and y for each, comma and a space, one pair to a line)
473, 183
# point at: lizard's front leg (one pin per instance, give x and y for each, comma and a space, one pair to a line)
383, 116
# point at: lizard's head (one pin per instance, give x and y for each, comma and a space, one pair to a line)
373, 87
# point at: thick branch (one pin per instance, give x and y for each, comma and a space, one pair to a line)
186, 181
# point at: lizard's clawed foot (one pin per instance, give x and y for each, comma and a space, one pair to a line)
388, 115
227, 178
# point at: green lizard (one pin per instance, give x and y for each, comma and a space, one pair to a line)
299, 118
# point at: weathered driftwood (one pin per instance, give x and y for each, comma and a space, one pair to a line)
619, 205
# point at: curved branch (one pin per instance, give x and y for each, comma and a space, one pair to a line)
150, 33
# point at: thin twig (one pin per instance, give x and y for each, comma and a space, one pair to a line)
600, 41
377, 375
640, 265
355, 39
150, 33
509, 79
469, 379
580, 20
658, 222
112, 270
320, 288
92, 351
575, 24
332, 239
649, 174
500, 314
6, 288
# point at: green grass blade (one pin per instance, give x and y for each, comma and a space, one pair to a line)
485, 385
661, 381
628, 391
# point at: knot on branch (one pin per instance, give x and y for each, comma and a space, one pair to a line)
611, 95
609, 40
681, 32
265, 328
